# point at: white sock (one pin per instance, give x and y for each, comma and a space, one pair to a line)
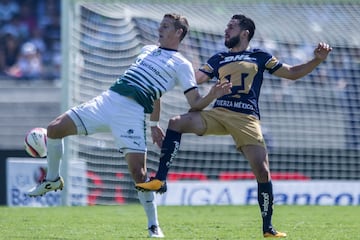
54, 152
147, 199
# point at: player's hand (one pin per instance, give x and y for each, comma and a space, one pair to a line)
221, 88
322, 50
157, 135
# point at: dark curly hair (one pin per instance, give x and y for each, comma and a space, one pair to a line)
245, 23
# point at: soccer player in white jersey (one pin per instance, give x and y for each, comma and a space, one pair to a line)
121, 110
236, 114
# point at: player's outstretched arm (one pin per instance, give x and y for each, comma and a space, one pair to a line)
198, 103
322, 51
298, 71
201, 77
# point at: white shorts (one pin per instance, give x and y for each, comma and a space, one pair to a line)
111, 112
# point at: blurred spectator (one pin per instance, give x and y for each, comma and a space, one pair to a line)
52, 32
54, 68
29, 64
9, 51
34, 25
52, 37
45, 10
27, 15
36, 38
8, 9
16, 27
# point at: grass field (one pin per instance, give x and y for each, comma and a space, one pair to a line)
178, 222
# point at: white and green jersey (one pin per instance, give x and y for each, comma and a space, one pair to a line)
155, 71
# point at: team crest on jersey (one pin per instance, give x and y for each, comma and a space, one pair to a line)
156, 53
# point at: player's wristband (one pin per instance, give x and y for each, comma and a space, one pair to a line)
154, 123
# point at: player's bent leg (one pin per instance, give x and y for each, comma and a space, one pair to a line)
169, 150
186, 123
46, 186
136, 166
60, 127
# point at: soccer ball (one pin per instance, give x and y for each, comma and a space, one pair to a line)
35, 142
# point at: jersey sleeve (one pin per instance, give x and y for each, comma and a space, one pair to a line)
272, 64
186, 77
209, 67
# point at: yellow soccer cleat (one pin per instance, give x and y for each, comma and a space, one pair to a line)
152, 185
274, 234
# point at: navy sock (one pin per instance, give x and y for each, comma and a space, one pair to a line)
169, 150
265, 199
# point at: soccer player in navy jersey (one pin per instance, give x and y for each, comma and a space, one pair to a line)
121, 110
236, 114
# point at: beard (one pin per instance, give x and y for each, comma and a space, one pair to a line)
232, 42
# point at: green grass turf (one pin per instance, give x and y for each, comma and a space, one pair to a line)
178, 222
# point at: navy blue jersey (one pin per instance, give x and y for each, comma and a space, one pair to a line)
245, 71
